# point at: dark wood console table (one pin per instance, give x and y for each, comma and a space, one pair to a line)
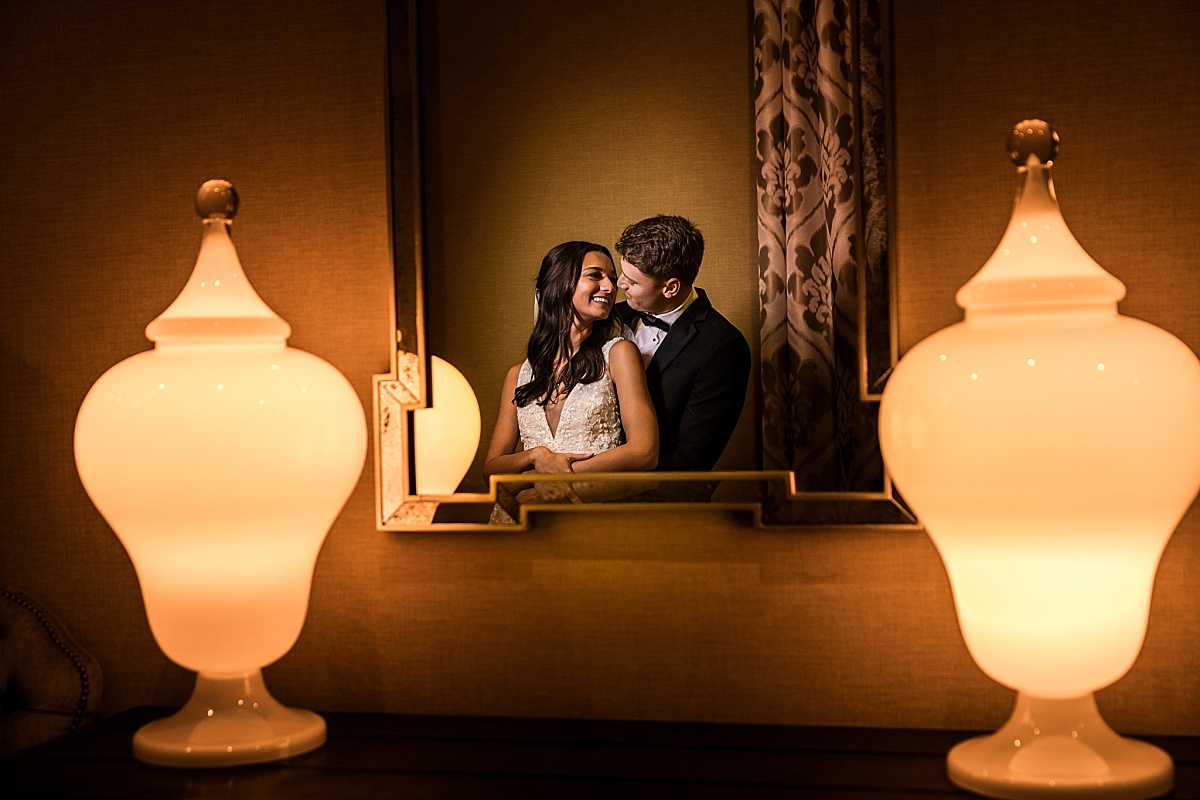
416, 757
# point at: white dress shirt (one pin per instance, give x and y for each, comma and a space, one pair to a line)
647, 337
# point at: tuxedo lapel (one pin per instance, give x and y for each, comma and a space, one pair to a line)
682, 332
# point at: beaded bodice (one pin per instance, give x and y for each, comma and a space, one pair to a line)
590, 421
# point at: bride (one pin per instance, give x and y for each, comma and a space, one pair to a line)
579, 402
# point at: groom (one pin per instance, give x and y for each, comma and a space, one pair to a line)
697, 362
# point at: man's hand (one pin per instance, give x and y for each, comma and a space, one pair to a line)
548, 493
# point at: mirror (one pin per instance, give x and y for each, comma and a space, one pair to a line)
519, 126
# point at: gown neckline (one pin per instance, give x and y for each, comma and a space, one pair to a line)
562, 410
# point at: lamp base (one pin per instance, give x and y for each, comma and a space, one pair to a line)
229, 720
1060, 749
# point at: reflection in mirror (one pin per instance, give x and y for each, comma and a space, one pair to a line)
547, 122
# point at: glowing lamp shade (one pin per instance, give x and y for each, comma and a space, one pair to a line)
447, 433
220, 458
1050, 447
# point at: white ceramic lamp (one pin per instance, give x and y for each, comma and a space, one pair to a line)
221, 458
1050, 447
447, 432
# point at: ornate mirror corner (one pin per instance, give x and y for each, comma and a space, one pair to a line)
862, 331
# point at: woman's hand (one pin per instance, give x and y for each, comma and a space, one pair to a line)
546, 460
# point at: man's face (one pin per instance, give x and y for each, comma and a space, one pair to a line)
644, 293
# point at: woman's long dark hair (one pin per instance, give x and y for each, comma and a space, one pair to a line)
551, 335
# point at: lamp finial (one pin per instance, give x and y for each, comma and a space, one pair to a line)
216, 199
1038, 262
218, 305
1032, 138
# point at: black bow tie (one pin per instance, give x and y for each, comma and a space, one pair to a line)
653, 321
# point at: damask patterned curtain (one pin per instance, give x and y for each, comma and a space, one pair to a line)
822, 224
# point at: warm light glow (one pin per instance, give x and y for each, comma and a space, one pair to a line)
221, 458
1050, 447
447, 433
221, 499
1051, 488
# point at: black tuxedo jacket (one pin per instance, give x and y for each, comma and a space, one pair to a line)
697, 381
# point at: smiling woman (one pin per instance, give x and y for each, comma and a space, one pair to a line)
579, 401
543, 123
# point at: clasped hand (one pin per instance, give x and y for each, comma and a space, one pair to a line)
548, 461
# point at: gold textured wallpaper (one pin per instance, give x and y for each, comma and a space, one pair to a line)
114, 113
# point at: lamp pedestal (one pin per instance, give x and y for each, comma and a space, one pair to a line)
229, 720
1062, 748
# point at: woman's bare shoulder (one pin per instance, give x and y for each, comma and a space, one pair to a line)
623, 348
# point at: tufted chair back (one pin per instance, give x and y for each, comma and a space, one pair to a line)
49, 685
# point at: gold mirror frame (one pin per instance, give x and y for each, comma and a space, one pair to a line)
405, 388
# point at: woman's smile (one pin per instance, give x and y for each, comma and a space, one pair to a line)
597, 285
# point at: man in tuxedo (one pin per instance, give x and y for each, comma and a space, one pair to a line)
697, 362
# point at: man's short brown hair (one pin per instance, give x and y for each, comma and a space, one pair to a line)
663, 247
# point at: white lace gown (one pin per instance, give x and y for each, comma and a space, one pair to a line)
590, 421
